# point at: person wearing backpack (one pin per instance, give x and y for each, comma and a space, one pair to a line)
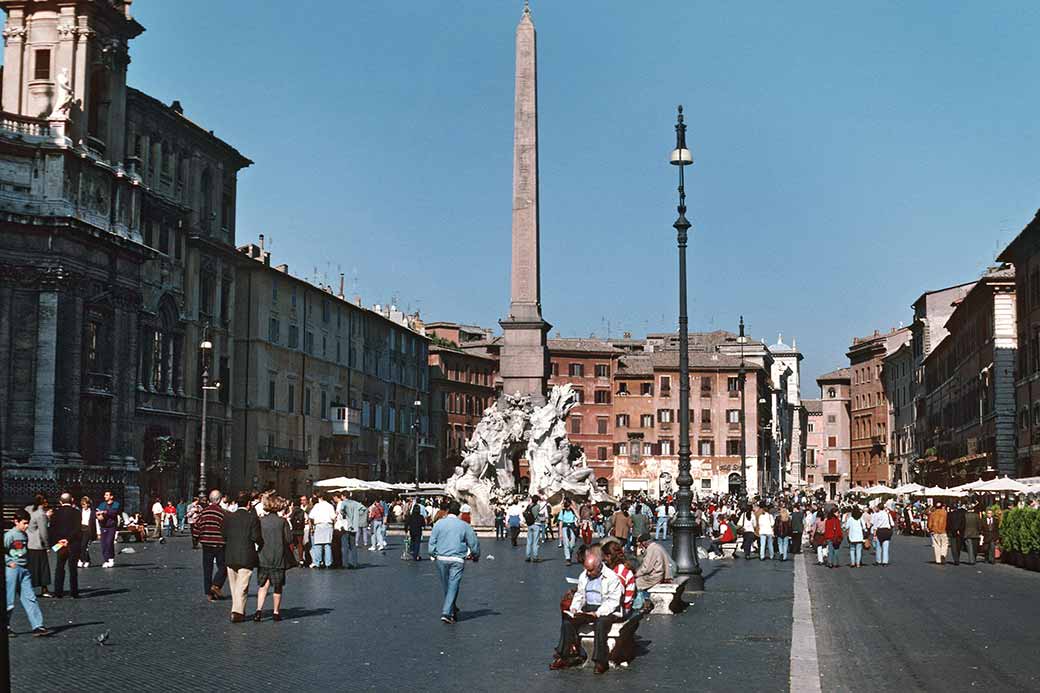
535, 516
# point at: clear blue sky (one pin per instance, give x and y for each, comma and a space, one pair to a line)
848, 156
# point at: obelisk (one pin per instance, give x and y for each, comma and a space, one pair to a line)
524, 360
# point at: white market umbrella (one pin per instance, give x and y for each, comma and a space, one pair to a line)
970, 486
940, 492
880, 490
343, 483
909, 488
1005, 485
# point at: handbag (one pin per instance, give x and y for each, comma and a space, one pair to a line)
866, 543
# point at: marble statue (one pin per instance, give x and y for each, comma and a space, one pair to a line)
63, 99
557, 467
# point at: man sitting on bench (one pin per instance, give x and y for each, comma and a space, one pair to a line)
655, 568
596, 601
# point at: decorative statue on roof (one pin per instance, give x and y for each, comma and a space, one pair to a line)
505, 433
63, 97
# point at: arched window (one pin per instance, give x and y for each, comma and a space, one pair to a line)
162, 346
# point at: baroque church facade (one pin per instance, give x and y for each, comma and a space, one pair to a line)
117, 262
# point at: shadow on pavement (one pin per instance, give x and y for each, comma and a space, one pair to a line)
477, 613
70, 626
101, 592
297, 612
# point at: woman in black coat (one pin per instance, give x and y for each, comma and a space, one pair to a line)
275, 555
415, 523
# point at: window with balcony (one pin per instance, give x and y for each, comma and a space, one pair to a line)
622, 388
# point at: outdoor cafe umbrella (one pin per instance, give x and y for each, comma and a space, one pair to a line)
909, 488
970, 486
1005, 485
880, 490
939, 492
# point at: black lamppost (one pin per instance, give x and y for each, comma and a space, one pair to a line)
684, 549
742, 379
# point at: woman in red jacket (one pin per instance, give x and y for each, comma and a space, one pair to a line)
833, 536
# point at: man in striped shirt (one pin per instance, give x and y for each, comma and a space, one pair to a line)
209, 530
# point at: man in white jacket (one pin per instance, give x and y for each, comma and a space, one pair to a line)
597, 600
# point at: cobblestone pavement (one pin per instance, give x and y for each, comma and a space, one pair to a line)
916, 626
378, 627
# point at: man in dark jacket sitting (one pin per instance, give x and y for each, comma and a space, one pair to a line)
242, 538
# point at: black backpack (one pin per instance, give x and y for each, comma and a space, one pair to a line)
529, 516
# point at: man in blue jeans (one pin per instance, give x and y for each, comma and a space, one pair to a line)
16, 547
539, 513
661, 528
452, 542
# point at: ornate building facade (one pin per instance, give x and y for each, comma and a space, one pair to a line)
117, 255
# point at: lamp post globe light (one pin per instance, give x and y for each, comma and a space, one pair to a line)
684, 549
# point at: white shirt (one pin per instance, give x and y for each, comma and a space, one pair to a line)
515, 510
747, 523
157, 508
662, 510
882, 520
323, 513
612, 591
765, 525
85, 515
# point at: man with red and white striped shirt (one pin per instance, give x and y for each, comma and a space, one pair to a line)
209, 530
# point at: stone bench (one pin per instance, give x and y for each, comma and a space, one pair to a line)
620, 641
667, 597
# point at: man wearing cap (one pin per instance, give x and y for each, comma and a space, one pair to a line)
656, 566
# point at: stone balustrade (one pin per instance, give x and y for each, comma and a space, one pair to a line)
24, 125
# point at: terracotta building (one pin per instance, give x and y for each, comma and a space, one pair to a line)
970, 386
1024, 253
462, 386
898, 374
588, 365
815, 437
870, 409
833, 466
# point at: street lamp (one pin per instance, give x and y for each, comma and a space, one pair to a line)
741, 380
684, 549
417, 426
206, 348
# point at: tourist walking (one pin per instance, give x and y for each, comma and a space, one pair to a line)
17, 577
797, 529
87, 529
782, 531
65, 531
377, 526
990, 531
500, 522
955, 531
39, 544
765, 535
937, 528
191, 516
856, 530
749, 528
818, 537
972, 531
274, 557
881, 525
322, 517
353, 516
621, 526
242, 538
832, 536
536, 516
568, 529
209, 532
513, 515
414, 524
661, 528
108, 514
297, 523
452, 542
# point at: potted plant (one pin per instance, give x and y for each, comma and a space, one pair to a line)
1032, 539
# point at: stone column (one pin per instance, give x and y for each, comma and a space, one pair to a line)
14, 54
46, 357
74, 372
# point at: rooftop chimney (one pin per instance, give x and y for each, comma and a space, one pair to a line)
176, 107
341, 286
